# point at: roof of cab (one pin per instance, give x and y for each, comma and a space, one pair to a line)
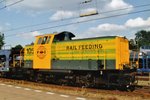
58, 34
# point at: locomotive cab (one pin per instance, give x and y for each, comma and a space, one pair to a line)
42, 52
42, 48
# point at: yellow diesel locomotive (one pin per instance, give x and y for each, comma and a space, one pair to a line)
99, 61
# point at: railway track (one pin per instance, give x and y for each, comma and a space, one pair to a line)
139, 93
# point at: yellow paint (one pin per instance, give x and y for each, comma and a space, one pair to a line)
28, 52
95, 49
84, 50
42, 53
122, 52
112, 49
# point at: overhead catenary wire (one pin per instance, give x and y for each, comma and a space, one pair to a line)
140, 11
44, 23
14, 3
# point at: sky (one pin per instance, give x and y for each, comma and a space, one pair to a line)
22, 21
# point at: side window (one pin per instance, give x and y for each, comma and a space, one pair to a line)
44, 40
48, 39
40, 40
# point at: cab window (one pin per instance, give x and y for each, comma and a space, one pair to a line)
44, 40
48, 39
40, 40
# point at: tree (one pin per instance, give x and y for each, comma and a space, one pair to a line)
1, 40
132, 44
142, 38
18, 47
16, 50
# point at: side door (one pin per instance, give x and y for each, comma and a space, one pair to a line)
42, 52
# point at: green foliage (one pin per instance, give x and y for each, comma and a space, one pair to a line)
132, 44
1, 40
18, 47
142, 38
